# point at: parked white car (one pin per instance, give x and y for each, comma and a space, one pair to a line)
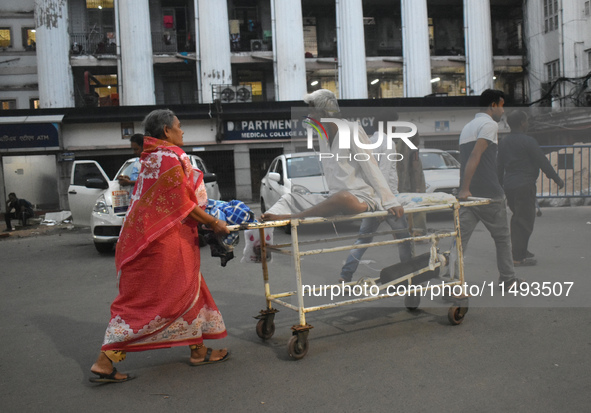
296, 172
302, 172
101, 203
442, 171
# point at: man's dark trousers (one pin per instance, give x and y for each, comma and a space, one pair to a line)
522, 202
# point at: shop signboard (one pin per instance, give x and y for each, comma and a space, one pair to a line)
249, 130
29, 135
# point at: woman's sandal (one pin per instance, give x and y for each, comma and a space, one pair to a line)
109, 378
207, 360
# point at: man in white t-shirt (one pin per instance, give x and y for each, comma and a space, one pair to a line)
478, 177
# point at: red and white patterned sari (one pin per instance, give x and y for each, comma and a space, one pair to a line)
163, 300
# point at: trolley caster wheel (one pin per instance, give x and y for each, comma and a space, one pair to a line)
297, 347
411, 302
456, 314
265, 329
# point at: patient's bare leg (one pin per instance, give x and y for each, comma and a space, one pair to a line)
340, 203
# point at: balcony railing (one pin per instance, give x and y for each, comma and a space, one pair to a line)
93, 43
97, 43
172, 42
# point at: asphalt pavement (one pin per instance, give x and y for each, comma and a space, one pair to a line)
519, 354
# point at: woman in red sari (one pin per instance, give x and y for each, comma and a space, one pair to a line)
163, 300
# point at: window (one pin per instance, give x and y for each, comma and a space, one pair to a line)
304, 166
101, 22
5, 37
552, 70
550, 15
587, 8
7, 104
29, 40
34, 103
99, 4
85, 171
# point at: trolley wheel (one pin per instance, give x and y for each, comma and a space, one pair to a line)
456, 314
297, 347
411, 302
265, 329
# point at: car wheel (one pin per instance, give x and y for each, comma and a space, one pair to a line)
103, 247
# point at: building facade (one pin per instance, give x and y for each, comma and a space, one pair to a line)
94, 56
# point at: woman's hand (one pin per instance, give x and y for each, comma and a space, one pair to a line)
219, 227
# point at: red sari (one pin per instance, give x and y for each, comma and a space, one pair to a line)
163, 300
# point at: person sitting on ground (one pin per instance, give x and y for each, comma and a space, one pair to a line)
519, 162
354, 186
23, 210
137, 146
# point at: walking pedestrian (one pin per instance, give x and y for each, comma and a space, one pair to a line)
519, 162
163, 299
478, 177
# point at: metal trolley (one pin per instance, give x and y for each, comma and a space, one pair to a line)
298, 344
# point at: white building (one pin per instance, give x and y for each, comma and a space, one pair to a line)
91, 55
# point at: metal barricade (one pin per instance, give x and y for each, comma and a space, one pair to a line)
572, 163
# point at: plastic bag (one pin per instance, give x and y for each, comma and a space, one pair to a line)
252, 249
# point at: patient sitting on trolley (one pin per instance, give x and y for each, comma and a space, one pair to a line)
354, 187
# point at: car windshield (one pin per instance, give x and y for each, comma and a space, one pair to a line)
438, 160
199, 164
303, 166
126, 169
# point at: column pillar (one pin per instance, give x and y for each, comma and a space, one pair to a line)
213, 50
54, 73
478, 38
288, 50
137, 64
351, 50
242, 172
415, 48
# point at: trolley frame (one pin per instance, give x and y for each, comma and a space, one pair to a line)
298, 344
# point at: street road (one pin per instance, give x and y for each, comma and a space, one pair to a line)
55, 292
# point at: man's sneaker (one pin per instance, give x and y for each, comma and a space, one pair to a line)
510, 282
526, 262
8, 230
529, 254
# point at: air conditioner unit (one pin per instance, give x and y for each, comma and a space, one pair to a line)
258, 45
225, 93
244, 93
